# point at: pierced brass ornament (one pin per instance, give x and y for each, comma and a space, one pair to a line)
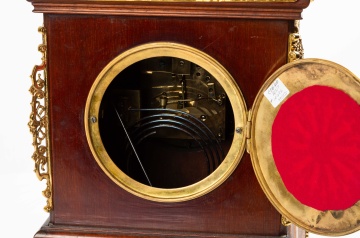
39, 122
296, 50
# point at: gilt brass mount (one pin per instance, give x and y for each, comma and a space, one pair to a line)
39, 122
295, 46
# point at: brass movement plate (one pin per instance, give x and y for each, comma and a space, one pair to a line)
165, 49
297, 76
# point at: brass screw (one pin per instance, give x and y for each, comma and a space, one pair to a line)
238, 130
93, 119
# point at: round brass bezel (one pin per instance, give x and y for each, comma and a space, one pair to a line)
297, 76
165, 49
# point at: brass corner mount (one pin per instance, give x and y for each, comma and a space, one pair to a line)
295, 46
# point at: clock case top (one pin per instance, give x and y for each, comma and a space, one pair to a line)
246, 9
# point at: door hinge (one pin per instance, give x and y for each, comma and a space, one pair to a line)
248, 131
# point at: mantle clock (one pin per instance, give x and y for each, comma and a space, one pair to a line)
191, 119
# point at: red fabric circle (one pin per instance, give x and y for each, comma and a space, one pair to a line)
316, 147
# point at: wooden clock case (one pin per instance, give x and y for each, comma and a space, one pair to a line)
249, 38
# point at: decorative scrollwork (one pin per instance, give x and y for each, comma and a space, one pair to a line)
38, 123
285, 221
296, 50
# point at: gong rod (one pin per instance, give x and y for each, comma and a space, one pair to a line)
132, 146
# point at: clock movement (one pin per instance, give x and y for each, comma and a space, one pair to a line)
191, 119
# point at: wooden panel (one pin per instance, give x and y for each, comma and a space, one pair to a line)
79, 47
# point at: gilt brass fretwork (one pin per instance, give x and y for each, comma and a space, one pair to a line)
38, 123
296, 50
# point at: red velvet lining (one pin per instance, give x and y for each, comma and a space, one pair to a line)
316, 147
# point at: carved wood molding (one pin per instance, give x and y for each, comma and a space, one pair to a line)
228, 9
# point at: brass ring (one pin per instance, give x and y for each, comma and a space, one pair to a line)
164, 49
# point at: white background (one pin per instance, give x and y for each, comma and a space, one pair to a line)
330, 30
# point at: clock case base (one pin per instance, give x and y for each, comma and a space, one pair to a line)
49, 230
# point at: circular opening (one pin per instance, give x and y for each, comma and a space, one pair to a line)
163, 125
161, 122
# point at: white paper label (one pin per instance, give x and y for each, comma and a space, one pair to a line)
276, 93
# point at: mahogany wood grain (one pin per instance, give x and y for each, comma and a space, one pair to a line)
82, 40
